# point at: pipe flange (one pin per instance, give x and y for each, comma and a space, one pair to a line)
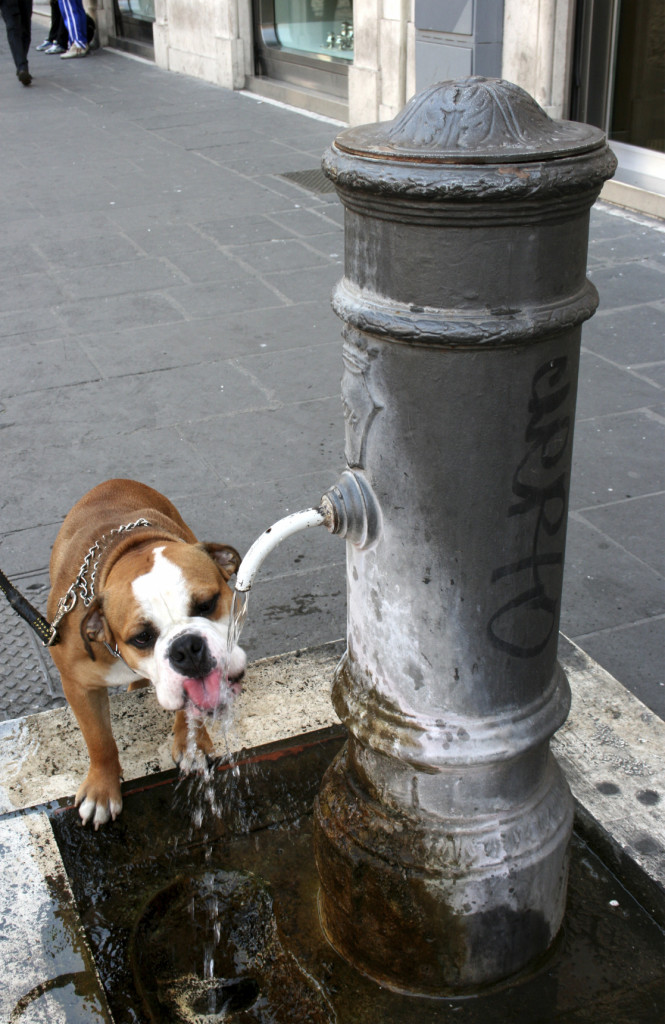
351, 510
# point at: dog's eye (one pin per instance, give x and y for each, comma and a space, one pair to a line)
206, 607
144, 639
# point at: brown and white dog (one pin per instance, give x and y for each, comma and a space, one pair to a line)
155, 597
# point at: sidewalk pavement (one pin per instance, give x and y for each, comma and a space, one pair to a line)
165, 314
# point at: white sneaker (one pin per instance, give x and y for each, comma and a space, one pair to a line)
74, 51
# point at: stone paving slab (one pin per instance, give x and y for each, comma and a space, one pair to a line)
43, 757
48, 974
612, 751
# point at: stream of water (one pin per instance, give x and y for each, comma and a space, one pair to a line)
208, 806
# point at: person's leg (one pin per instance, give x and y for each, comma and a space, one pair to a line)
55, 19
74, 17
57, 24
25, 9
13, 12
62, 36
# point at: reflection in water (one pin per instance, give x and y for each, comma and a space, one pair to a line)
247, 974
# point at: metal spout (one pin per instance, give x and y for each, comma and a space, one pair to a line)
348, 509
269, 540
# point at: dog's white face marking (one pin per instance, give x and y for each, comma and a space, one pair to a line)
164, 597
162, 593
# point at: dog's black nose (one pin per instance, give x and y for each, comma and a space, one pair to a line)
189, 655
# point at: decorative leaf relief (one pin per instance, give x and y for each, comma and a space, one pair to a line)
475, 112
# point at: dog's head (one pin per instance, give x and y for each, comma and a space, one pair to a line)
167, 605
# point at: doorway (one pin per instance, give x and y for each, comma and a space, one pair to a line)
619, 82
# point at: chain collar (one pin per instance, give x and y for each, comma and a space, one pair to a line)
85, 580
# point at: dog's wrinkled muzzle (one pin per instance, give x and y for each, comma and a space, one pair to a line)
199, 673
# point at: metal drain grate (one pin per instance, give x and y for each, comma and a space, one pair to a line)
314, 180
29, 681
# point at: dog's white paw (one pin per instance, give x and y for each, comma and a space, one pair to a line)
99, 798
99, 813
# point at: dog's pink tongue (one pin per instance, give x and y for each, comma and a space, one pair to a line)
204, 692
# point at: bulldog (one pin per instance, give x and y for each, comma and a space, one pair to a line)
137, 600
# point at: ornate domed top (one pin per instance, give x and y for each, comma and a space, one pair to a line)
474, 120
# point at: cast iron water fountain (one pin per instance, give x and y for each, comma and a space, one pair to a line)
442, 829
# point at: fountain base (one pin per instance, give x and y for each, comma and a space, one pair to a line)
259, 853
401, 902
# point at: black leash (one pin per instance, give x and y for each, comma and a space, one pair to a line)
84, 582
47, 633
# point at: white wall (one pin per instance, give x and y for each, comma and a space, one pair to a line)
210, 40
537, 50
382, 76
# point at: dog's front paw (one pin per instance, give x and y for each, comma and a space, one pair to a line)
99, 798
192, 745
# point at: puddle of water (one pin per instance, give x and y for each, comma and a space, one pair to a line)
222, 920
247, 973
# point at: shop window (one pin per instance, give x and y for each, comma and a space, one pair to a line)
141, 10
133, 25
315, 26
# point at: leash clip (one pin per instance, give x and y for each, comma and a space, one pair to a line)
53, 639
65, 606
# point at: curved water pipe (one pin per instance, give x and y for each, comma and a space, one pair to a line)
348, 509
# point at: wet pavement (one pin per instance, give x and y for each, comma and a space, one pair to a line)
168, 256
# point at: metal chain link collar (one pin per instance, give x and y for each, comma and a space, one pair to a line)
85, 586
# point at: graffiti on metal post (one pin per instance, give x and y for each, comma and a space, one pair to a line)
523, 625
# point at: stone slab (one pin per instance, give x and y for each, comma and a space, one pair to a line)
633, 653
48, 974
43, 756
612, 751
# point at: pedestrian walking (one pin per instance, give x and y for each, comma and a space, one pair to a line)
17, 15
74, 16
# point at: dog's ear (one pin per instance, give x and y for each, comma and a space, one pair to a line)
227, 558
94, 627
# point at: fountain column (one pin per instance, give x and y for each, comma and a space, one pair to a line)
442, 830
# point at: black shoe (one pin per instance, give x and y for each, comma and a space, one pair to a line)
24, 76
